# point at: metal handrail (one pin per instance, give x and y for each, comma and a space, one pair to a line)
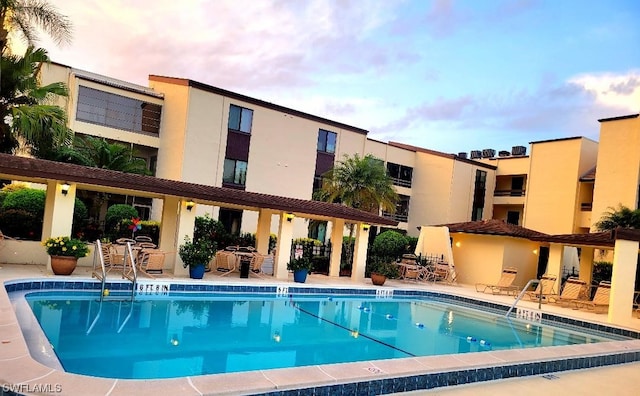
132, 274
522, 292
103, 274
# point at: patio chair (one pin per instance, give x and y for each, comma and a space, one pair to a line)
544, 289
505, 283
151, 262
437, 272
225, 262
572, 290
600, 301
255, 266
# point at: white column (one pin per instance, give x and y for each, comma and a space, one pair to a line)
169, 230
263, 231
283, 248
185, 225
337, 231
623, 278
360, 252
58, 210
586, 264
554, 265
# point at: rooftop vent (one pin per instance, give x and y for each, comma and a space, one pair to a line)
503, 153
518, 150
488, 153
462, 155
475, 154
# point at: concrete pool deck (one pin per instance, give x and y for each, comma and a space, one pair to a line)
25, 375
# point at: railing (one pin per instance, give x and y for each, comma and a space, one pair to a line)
401, 182
586, 206
131, 274
522, 292
509, 193
395, 216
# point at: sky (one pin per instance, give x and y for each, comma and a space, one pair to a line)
446, 75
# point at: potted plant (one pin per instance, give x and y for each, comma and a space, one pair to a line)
382, 269
65, 252
300, 267
196, 254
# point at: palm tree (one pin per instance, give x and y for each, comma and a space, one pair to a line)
361, 183
99, 153
25, 16
621, 217
27, 115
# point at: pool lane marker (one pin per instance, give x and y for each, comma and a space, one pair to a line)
295, 305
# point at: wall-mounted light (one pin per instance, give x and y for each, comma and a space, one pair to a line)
289, 217
65, 189
535, 251
458, 244
190, 204
365, 227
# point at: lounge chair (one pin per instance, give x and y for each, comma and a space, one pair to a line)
600, 301
544, 289
151, 262
572, 290
504, 285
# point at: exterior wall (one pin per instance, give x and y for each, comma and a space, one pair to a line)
552, 185
481, 258
618, 173
348, 142
375, 148
431, 190
510, 166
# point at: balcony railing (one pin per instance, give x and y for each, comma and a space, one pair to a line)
509, 193
401, 182
586, 206
395, 216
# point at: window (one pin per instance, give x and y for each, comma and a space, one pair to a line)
231, 220
478, 195
400, 175
234, 172
327, 141
513, 217
240, 119
116, 111
402, 209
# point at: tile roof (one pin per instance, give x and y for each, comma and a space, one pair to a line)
494, 227
37, 170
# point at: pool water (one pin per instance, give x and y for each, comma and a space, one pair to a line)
182, 335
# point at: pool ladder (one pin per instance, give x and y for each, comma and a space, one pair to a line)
522, 292
128, 268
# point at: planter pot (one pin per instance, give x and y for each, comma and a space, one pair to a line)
63, 265
196, 272
378, 279
300, 276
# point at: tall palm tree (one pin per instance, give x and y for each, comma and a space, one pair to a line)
621, 217
361, 183
27, 113
25, 16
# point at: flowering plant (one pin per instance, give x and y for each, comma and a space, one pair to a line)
65, 246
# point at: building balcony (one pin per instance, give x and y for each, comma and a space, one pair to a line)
395, 216
509, 193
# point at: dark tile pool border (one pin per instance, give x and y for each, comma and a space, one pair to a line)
387, 385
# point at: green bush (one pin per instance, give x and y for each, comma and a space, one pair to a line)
18, 223
117, 213
27, 199
150, 228
389, 244
602, 271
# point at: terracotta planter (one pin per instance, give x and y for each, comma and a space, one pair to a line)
63, 265
378, 279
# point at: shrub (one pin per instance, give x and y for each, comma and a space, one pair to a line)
21, 224
117, 213
389, 244
28, 199
602, 271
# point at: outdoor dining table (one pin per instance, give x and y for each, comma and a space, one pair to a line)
244, 256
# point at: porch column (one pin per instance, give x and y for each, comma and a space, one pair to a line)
185, 221
360, 252
168, 240
283, 248
58, 210
337, 231
555, 264
263, 231
586, 264
623, 278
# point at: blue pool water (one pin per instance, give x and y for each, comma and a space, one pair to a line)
184, 335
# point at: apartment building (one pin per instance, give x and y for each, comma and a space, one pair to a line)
194, 132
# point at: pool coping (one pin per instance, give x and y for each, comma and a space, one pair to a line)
22, 374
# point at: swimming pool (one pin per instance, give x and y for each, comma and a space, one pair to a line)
372, 376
